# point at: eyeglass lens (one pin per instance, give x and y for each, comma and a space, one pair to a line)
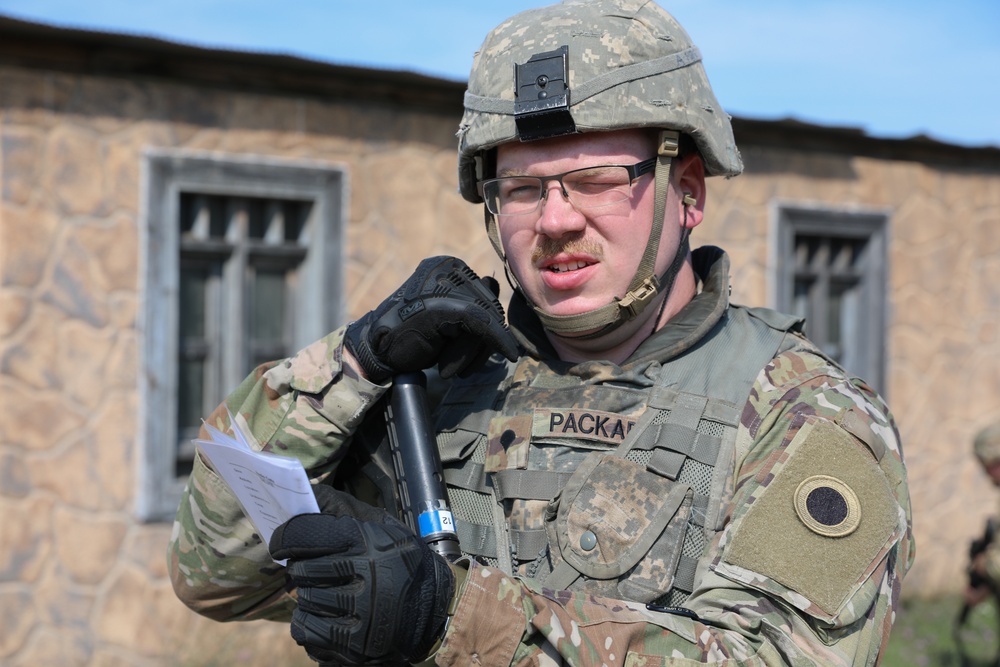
591, 187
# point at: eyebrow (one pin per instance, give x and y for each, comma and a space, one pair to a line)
512, 173
506, 173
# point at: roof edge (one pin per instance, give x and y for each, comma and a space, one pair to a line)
83, 51
41, 46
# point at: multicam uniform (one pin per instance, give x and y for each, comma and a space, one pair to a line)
986, 446
640, 514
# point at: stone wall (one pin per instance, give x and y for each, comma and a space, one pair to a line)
83, 583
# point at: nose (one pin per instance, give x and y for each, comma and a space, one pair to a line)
558, 216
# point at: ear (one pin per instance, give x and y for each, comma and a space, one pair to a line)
689, 174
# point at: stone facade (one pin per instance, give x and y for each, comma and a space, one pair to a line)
83, 582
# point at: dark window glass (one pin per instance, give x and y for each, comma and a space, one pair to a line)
832, 272
238, 258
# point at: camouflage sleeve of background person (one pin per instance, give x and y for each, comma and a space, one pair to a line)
991, 557
986, 446
307, 407
807, 570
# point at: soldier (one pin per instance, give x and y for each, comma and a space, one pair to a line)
984, 566
641, 472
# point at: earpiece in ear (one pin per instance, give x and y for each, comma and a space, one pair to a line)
689, 200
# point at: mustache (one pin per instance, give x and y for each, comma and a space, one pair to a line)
549, 247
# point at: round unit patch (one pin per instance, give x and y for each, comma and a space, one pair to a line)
827, 506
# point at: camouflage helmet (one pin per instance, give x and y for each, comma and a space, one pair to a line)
594, 66
628, 64
987, 444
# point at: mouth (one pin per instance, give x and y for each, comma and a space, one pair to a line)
565, 273
565, 267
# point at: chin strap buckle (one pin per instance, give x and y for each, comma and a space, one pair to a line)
636, 300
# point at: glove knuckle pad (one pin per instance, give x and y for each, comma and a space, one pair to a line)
327, 602
325, 571
443, 301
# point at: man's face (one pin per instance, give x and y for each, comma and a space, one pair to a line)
993, 470
569, 261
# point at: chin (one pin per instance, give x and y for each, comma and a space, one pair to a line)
569, 307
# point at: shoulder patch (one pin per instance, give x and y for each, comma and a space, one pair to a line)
827, 506
820, 524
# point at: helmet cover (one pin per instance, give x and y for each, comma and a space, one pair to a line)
987, 444
629, 65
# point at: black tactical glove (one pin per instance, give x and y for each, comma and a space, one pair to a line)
369, 592
443, 314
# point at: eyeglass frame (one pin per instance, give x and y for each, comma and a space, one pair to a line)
634, 171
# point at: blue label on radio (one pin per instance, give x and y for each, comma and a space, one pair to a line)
436, 521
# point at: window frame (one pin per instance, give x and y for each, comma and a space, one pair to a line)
872, 225
319, 300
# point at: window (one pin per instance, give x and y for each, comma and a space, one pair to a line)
831, 270
242, 264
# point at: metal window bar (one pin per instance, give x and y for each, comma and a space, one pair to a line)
238, 274
827, 281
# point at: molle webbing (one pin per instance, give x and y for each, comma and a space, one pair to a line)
694, 426
480, 539
523, 484
687, 434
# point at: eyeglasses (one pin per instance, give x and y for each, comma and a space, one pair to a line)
587, 188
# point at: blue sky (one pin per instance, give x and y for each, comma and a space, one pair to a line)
893, 68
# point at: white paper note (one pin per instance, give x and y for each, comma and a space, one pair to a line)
271, 488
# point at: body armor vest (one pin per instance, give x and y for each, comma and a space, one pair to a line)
606, 480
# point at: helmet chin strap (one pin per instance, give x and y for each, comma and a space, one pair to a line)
645, 285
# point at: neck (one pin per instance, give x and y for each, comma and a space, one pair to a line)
619, 345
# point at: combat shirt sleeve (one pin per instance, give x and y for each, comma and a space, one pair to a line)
308, 407
991, 561
775, 587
